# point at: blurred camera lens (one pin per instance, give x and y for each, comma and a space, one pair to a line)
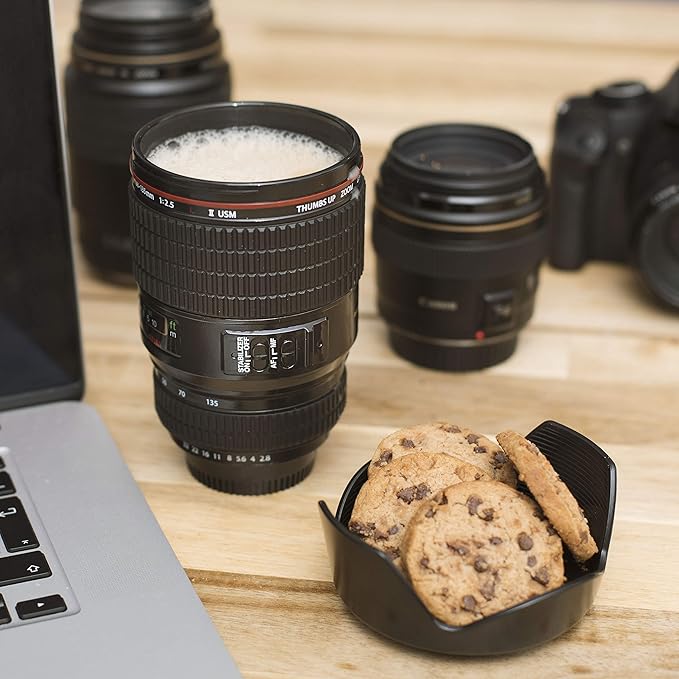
249, 287
459, 232
658, 253
654, 203
131, 61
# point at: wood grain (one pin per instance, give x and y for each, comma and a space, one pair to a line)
599, 355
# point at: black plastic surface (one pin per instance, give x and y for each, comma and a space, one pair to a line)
381, 597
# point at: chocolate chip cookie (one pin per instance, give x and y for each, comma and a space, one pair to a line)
391, 496
477, 548
557, 502
442, 437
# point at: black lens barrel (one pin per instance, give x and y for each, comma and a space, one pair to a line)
249, 298
459, 232
131, 61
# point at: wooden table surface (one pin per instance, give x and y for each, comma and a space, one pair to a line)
598, 354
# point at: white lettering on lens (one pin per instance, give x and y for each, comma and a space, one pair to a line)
144, 190
312, 206
243, 354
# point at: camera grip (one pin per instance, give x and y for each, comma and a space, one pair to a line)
567, 215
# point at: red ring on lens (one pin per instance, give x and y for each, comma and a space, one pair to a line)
249, 206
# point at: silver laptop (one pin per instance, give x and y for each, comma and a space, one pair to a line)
89, 586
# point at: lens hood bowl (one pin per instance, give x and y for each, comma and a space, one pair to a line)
381, 597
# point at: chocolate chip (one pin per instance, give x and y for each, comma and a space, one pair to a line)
473, 502
407, 443
487, 589
499, 460
495, 540
444, 592
487, 514
424, 562
407, 494
430, 513
442, 499
460, 549
451, 428
480, 564
472, 438
385, 458
469, 603
480, 449
525, 541
541, 576
394, 529
422, 491
532, 561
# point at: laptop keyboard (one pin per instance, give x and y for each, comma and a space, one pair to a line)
33, 586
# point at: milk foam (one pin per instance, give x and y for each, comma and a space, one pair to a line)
243, 154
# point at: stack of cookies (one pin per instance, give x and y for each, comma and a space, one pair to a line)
441, 502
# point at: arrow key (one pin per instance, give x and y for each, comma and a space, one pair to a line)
37, 608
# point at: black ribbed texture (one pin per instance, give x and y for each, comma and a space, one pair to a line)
252, 486
237, 271
243, 432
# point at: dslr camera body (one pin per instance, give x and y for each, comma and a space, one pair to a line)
615, 182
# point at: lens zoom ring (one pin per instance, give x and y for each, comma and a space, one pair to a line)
257, 272
241, 432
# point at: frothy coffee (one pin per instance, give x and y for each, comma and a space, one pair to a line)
243, 154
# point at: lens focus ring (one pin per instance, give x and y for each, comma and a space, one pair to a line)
241, 432
259, 271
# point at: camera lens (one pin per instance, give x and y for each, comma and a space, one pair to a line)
248, 288
654, 206
459, 232
658, 251
131, 61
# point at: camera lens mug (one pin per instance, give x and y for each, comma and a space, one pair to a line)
459, 230
249, 294
131, 61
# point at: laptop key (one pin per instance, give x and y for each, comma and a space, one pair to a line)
15, 528
23, 567
4, 612
6, 485
38, 608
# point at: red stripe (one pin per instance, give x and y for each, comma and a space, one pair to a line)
248, 206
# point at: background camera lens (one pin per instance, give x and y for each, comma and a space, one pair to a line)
459, 233
249, 295
658, 252
131, 61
